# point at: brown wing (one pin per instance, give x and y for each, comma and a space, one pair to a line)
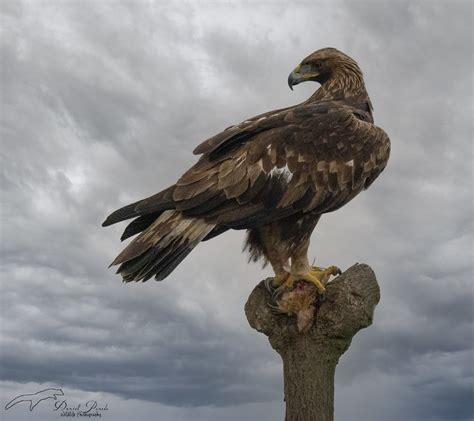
304, 158
240, 132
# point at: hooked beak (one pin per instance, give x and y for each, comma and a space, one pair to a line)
301, 73
293, 79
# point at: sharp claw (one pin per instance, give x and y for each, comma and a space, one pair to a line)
268, 285
277, 292
275, 309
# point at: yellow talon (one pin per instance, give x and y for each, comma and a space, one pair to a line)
315, 275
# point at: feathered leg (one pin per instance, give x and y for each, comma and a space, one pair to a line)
264, 242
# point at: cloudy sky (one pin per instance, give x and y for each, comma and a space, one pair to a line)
102, 103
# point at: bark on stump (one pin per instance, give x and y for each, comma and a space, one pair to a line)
310, 359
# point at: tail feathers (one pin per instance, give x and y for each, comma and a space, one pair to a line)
161, 247
139, 224
121, 214
153, 204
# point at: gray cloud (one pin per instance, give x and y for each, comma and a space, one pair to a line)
102, 104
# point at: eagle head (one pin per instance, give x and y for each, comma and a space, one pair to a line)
324, 65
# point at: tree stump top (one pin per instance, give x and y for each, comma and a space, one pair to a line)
310, 358
348, 307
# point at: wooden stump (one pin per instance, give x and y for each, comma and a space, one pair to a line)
310, 359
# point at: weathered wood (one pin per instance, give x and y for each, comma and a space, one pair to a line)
310, 359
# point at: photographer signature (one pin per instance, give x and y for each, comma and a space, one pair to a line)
90, 408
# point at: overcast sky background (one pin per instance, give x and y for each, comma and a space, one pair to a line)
102, 103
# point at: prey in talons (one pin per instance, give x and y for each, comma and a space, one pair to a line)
301, 302
297, 291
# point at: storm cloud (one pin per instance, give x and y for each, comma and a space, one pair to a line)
102, 104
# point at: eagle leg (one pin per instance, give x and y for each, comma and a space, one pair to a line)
265, 242
280, 267
279, 264
301, 270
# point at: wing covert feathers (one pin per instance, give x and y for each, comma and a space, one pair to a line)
326, 154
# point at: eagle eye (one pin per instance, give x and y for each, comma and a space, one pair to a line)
317, 64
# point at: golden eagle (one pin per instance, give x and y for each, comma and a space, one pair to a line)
274, 175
